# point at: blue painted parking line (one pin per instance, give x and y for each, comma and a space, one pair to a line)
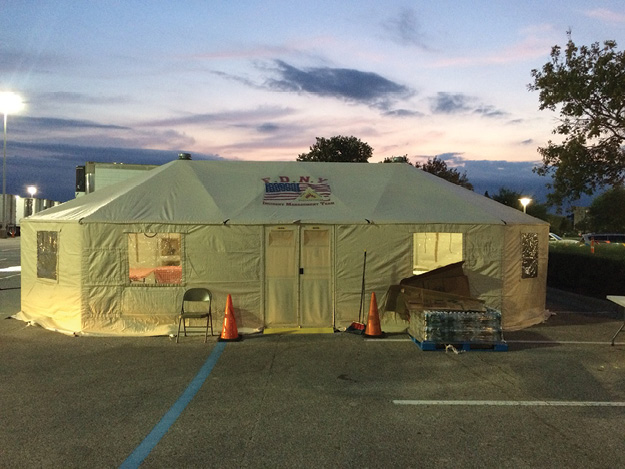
147, 445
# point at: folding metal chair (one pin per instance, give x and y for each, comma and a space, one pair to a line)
195, 295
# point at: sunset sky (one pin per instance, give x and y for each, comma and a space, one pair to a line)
140, 81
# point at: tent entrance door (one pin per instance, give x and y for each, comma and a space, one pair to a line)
298, 285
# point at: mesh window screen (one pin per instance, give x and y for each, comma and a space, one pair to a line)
529, 249
154, 258
47, 254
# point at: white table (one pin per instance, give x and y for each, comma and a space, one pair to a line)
619, 300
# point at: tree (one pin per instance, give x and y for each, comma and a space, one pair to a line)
439, 168
560, 225
397, 159
606, 214
511, 199
338, 149
587, 86
508, 197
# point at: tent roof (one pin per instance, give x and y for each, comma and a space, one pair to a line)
213, 192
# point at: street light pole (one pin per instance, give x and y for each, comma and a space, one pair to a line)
3, 231
9, 102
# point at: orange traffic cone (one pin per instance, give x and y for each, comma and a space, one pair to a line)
373, 328
229, 332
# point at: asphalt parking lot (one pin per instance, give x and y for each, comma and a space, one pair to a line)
555, 399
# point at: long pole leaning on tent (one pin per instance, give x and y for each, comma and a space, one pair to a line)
362, 289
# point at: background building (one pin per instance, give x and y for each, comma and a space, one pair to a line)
94, 175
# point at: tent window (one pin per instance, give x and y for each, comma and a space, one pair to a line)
47, 254
433, 250
529, 249
154, 258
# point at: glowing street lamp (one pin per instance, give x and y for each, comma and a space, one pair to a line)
525, 201
9, 103
32, 190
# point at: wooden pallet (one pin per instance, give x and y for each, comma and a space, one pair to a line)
427, 346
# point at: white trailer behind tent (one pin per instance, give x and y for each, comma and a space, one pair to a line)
286, 240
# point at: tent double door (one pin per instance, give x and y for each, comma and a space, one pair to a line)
298, 286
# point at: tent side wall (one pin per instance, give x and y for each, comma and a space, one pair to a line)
224, 259
493, 262
93, 293
228, 259
49, 250
389, 253
390, 258
525, 277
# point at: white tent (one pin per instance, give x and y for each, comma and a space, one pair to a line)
286, 240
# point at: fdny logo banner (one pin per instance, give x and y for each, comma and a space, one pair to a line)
297, 191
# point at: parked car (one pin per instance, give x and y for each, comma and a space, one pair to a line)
603, 238
554, 238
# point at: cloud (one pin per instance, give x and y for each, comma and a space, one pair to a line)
60, 161
458, 103
83, 153
70, 97
404, 29
235, 78
606, 15
450, 103
89, 133
262, 113
452, 158
517, 176
268, 127
24, 61
160, 138
167, 138
403, 113
55, 123
489, 111
341, 83
487, 175
529, 141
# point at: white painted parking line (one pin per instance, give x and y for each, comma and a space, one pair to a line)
557, 342
14, 268
9, 276
512, 403
537, 342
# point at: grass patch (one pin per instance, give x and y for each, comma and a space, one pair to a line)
602, 250
575, 268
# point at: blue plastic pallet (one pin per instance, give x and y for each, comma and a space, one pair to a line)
428, 346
